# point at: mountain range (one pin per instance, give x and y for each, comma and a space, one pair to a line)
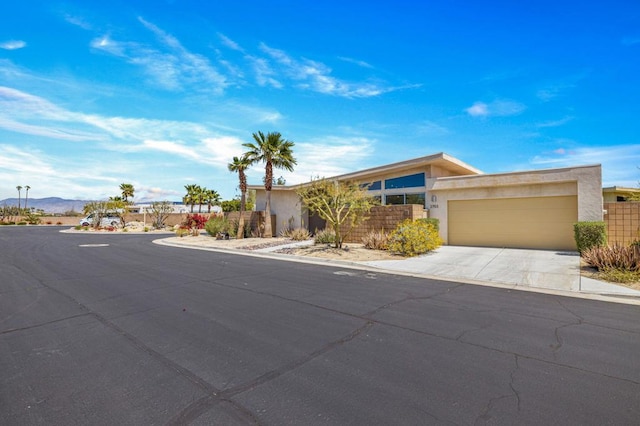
49, 205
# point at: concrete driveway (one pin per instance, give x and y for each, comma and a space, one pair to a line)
545, 269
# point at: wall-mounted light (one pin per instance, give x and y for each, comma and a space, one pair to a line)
434, 199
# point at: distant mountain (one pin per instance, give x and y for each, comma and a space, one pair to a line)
49, 205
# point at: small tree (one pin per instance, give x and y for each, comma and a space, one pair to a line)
344, 205
160, 211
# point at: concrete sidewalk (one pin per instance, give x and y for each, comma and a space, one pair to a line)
549, 271
553, 270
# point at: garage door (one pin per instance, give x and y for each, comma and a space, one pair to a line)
537, 222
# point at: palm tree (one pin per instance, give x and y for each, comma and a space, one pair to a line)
211, 198
26, 195
190, 198
240, 164
199, 196
19, 188
273, 151
127, 191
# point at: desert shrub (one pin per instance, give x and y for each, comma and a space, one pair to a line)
235, 224
217, 225
626, 258
21, 223
412, 238
432, 220
58, 223
589, 234
326, 236
297, 234
48, 222
182, 232
32, 219
376, 240
195, 221
77, 227
146, 229
7, 223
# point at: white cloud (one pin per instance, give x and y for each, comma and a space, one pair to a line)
619, 163
478, 109
13, 44
170, 66
48, 175
78, 21
498, 108
230, 43
346, 155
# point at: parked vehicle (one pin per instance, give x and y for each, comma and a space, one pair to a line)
108, 220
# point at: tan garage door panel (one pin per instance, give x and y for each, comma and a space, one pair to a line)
536, 222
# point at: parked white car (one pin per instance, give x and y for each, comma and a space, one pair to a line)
109, 220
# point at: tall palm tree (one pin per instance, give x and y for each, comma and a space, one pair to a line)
127, 191
273, 151
240, 165
26, 195
19, 188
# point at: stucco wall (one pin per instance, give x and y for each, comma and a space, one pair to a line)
285, 205
585, 182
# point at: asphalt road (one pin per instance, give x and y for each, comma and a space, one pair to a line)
115, 330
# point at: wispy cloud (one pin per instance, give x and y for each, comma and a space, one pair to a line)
78, 21
357, 62
170, 66
230, 43
315, 76
13, 44
619, 162
498, 108
555, 123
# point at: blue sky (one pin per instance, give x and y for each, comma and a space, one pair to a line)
162, 94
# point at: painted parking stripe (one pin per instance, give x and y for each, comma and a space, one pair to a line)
93, 245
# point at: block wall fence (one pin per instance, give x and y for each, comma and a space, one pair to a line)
623, 222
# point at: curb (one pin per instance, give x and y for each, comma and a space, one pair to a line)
627, 300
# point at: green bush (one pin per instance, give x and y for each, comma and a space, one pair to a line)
217, 225
589, 234
21, 223
376, 240
433, 221
412, 238
326, 236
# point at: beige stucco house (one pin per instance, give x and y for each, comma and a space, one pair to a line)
616, 194
529, 209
